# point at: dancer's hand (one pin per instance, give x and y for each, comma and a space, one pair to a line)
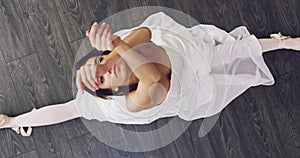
89, 75
101, 37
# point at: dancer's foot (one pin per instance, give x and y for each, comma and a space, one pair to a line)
8, 122
286, 42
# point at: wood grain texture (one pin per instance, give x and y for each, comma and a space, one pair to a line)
258, 131
1, 55
8, 103
201, 145
76, 17
289, 112
87, 146
31, 154
252, 15
281, 62
183, 143
11, 105
170, 150
14, 144
52, 141
16, 40
75, 128
28, 79
4, 150
53, 49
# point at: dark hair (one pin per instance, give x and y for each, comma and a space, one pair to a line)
105, 93
122, 90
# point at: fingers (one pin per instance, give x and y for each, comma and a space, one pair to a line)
104, 40
91, 84
87, 76
110, 38
100, 36
92, 34
95, 77
110, 35
87, 33
79, 82
116, 39
98, 44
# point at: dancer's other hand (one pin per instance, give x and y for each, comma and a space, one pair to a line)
101, 37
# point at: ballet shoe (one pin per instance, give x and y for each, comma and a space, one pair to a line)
286, 42
279, 36
19, 130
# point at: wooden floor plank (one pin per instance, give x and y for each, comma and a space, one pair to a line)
14, 144
53, 49
282, 61
12, 106
8, 102
54, 74
155, 136
116, 141
29, 79
253, 16
201, 145
260, 129
52, 141
31, 154
5, 144
76, 17
88, 146
1, 54
289, 112
75, 128
184, 145
16, 40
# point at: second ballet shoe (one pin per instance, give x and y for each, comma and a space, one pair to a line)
19, 130
286, 42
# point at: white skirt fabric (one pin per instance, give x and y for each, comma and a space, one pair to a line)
210, 68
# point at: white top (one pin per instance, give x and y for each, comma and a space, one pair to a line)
205, 77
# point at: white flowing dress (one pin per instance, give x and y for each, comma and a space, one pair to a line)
210, 68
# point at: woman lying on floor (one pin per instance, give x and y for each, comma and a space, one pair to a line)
160, 69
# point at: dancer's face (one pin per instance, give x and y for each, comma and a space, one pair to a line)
118, 75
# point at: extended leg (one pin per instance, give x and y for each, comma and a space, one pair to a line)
279, 42
270, 44
45, 116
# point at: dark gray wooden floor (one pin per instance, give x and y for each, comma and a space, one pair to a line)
38, 42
